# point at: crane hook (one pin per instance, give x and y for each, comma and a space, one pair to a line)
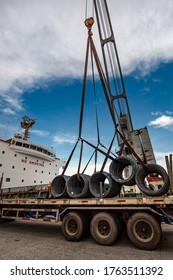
89, 23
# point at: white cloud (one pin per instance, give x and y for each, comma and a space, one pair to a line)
40, 133
44, 40
147, 89
163, 122
2, 126
169, 112
64, 139
156, 113
9, 130
159, 113
8, 111
71, 170
160, 157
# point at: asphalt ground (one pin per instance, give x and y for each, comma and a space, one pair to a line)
21, 240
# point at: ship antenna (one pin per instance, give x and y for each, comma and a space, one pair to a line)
26, 124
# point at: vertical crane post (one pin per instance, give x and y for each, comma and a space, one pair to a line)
137, 140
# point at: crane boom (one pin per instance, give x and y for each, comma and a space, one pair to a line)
138, 139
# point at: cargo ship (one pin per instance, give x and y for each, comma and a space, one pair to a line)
25, 163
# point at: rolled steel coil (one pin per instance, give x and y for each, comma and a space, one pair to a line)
58, 186
117, 168
141, 178
78, 186
99, 188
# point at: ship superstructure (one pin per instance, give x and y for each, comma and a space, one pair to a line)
25, 163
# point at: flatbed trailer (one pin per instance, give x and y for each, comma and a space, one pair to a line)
104, 218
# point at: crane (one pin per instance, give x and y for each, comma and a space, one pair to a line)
26, 124
137, 139
132, 143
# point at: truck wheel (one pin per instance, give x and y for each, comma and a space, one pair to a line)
104, 228
74, 226
144, 231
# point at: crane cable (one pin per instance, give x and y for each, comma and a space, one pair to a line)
86, 9
91, 46
96, 109
95, 98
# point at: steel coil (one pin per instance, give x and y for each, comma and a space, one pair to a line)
149, 188
78, 186
58, 186
103, 185
118, 168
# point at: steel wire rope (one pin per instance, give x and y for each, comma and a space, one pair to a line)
70, 157
86, 9
81, 110
80, 160
83, 103
108, 153
84, 88
96, 110
103, 81
95, 98
89, 161
106, 90
88, 48
97, 121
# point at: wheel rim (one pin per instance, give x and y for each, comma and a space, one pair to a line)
143, 231
71, 227
104, 228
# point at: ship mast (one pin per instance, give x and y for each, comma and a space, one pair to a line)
26, 124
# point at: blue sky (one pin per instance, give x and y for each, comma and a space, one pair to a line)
42, 55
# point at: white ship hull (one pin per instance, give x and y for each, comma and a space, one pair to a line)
24, 163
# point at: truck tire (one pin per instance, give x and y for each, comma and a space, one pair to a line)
144, 231
117, 167
74, 226
110, 190
104, 228
143, 172
58, 186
